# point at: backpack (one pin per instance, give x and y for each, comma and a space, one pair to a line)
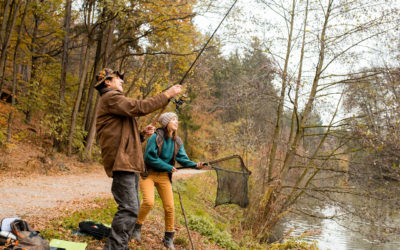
97, 230
27, 238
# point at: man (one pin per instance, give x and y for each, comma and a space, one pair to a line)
120, 143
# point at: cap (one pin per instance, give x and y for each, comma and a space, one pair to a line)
105, 74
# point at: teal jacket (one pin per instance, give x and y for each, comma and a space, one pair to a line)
163, 161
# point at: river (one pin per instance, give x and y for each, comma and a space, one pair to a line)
334, 233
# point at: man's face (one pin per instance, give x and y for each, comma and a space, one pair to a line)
115, 83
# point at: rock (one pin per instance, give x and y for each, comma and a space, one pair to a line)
62, 167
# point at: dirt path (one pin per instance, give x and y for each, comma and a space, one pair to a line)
34, 196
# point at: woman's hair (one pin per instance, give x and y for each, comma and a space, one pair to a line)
174, 134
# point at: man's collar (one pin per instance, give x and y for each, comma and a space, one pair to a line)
105, 90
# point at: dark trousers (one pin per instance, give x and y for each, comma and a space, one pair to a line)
125, 191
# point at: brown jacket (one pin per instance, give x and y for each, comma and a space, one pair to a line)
117, 130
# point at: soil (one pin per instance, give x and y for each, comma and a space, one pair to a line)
40, 186
32, 195
32, 182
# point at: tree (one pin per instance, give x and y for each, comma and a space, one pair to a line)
7, 28
375, 126
88, 6
15, 70
64, 61
325, 35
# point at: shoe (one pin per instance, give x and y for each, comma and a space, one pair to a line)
136, 232
169, 240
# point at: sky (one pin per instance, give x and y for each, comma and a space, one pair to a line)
255, 19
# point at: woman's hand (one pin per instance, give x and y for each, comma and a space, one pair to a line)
202, 164
174, 170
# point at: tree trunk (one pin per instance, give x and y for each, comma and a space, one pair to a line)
89, 103
57, 143
275, 139
307, 110
295, 114
83, 74
108, 43
64, 62
78, 100
4, 23
15, 82
7, 37
99, 56
87, 153
92, 131
34, 61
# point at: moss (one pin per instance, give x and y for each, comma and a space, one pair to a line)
294, 243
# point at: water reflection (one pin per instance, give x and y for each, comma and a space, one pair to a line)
332, 234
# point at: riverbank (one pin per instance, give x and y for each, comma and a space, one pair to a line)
336, 229
211, 228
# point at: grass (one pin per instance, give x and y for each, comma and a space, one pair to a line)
63, 227
216, 225
198, 194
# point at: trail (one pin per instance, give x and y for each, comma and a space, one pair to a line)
37, 195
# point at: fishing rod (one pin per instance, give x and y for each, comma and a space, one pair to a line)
181, 100
201, 51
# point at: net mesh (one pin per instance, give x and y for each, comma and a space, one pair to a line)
232, 176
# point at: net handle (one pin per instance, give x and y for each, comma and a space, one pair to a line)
229, 158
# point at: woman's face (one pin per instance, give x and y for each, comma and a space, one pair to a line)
173, 124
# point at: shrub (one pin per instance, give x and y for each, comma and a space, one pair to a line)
207, 228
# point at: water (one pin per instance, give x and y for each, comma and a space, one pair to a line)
333, 234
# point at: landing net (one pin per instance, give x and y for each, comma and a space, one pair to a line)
232, 176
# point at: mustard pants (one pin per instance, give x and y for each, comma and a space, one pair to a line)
161, 181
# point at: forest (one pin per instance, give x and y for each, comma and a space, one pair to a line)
306, 92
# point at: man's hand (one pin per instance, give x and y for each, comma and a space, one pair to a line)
174, 170
149, 130
173, 91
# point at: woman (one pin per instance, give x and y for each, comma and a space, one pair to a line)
162, 150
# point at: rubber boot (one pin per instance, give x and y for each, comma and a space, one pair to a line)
169, 240
136, 232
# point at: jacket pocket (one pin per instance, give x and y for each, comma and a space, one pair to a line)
127, 144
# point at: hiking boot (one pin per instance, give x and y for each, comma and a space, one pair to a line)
136, 232
169, 240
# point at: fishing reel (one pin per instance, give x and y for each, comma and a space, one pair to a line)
179, 102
